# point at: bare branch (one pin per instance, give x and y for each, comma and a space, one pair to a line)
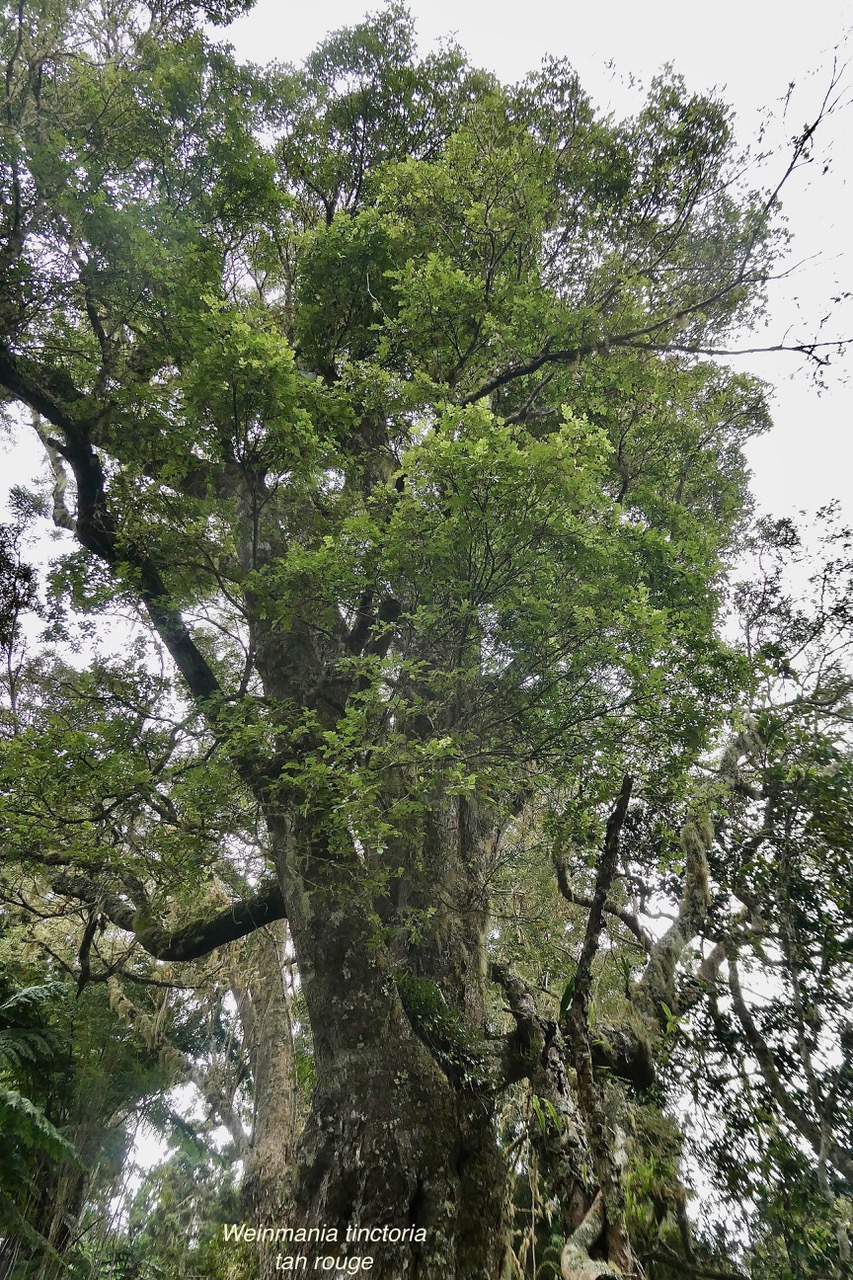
604, 879
580, 900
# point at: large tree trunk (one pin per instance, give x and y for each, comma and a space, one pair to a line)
390, 946
395, 1137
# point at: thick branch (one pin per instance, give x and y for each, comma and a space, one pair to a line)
575, 1262
49, 392
514, 1056
618, 1246
603, 882
53, 395
189, 941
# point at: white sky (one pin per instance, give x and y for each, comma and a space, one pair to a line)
752, 50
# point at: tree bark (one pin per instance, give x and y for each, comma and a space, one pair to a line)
394, 1138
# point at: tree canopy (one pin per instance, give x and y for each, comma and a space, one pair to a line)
384, 765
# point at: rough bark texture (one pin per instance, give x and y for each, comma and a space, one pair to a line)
391, 1139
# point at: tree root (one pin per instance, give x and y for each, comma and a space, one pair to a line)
575, 1263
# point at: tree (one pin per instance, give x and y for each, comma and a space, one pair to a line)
376, 390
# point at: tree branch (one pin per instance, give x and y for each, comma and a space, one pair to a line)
618, 1245
657, 986
675, 320
675, 1260
603, 882
189, 941
629, 920
51, 393
575, 1262
515, 1055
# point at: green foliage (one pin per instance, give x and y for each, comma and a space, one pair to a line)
174, 1219
29, 1046
70, 1083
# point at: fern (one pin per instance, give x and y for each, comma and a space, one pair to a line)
24, 1045
27, 1000
22, 1123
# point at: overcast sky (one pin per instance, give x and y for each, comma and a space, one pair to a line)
752, 51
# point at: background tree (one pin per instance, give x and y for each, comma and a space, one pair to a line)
377, 391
